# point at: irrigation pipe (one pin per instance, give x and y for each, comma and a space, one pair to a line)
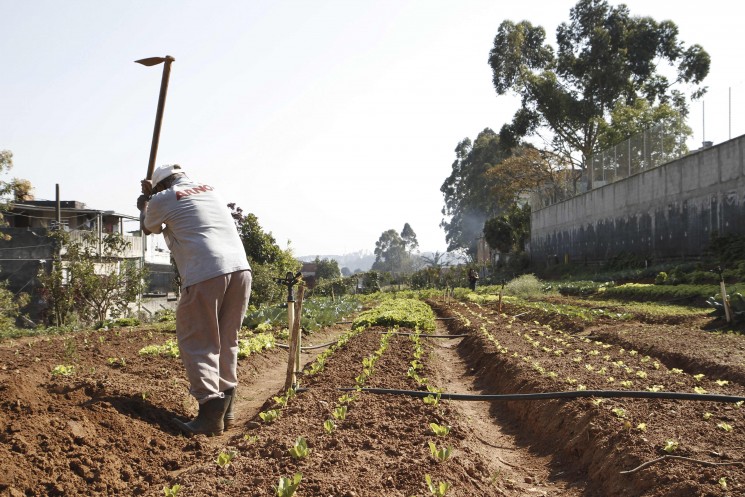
286, 346
426, 335
558, 395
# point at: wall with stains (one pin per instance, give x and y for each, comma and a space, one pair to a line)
667, 213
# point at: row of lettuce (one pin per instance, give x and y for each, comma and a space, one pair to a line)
270, 324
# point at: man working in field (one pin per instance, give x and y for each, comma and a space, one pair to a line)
215, 288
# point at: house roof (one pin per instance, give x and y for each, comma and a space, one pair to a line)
65, 206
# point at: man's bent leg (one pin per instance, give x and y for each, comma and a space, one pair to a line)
197, 330
230, 319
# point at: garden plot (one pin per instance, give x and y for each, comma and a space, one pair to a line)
604, 437
87, 414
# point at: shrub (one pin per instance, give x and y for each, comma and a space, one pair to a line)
524, 286
583, 288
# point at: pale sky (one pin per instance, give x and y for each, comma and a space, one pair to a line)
332, 121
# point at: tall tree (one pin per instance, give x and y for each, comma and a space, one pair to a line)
390, 252
469, 200
509, 232
605, 58
327, 269
409, 238
268, 261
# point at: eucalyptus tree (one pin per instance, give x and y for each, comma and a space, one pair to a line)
605, 59
468, 191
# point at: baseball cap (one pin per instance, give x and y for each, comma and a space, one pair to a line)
163, 172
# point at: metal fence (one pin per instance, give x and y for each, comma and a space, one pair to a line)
651, 148
641, 152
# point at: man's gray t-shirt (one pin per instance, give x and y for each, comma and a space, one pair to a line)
199, 231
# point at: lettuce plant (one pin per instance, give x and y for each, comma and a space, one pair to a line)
440, 455
300, 450
437, 489
287, 486
440, 430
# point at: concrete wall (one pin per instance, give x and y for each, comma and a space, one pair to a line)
666, 213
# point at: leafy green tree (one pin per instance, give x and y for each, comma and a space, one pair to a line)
509, 232
10, 306
409, 238
390, 252
469, 200
605, 59
393, 251
327, 269
94, 286
261, 247
527, 170
268, 261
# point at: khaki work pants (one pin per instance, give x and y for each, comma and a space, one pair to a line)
208, 318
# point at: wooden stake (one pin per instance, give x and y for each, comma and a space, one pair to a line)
296, 327
290, 378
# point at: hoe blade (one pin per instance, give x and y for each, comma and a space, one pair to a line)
151, 61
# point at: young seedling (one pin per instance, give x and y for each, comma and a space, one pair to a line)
287, 486
340, 413
724, 426
439, 455
347, 398
269, 416
172, 491
300, 450
225, 458
432, 400
62, 370
440, 430
437, 489
329, 426
670, 446
619, 412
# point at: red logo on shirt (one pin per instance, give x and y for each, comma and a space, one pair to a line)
187, 192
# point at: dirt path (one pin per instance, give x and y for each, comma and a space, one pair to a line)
512, 463
266, 381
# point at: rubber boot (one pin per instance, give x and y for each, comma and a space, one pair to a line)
229, 418
209, 421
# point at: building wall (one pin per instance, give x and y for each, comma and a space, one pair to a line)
21, 257
666, 213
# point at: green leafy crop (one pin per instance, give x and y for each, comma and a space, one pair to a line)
300, 450
440, 430
439, 455
287, 486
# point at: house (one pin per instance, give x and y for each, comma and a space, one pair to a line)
308, 270
26, 246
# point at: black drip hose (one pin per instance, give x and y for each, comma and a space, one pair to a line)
286, 346
559, 395
424, 335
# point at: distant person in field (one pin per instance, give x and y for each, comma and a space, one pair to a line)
473, 278
215, 288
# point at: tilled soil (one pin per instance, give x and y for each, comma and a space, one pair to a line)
106, 429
